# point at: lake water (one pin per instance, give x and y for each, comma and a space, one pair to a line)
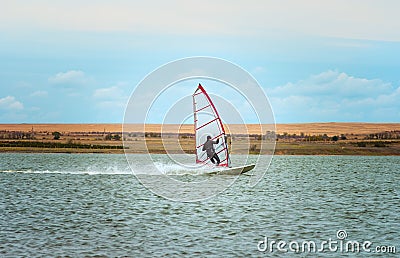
92, 205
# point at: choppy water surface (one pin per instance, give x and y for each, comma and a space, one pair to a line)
92, 205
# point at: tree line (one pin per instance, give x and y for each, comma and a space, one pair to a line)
32, 144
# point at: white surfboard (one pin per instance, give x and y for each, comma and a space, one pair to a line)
234, 171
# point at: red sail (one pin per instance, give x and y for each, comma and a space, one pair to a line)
207, 122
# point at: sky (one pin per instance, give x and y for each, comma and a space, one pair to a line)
317, 61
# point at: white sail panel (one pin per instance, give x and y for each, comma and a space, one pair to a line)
207, 122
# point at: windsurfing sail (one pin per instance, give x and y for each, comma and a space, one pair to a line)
207, 122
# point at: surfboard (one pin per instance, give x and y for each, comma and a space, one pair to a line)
233, 171
207, 122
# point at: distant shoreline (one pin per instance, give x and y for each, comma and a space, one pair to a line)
292, 139
313, 149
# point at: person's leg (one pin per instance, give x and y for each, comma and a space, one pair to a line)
217, 158
212, 159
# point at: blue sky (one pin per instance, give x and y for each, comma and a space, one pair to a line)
318, 61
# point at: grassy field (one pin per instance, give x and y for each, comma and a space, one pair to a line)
307, 128
107, 138
155, 145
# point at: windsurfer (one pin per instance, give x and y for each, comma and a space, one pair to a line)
209, 148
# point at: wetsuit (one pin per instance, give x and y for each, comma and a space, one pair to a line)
209, 148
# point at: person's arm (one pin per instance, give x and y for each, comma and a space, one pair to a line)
216, 142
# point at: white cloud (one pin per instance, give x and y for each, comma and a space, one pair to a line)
336, 96
39, 93
258, 70
334, 83
111, 97
112, 92
10, 103
110, 102
69, 78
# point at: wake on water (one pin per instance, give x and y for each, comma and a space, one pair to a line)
151, 169
99, 164
173, 169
